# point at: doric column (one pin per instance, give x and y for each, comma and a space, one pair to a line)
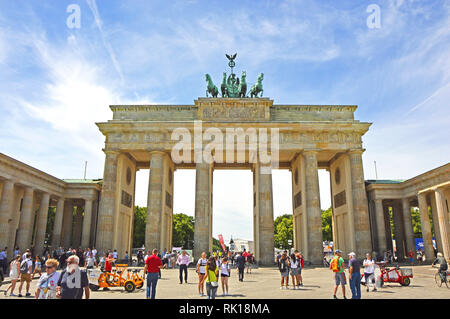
67, 224
58, 223
78, 226
407, 226
6, 208
360, 207
265, 214
42, 224
426, 227
381, 229
313, 212
159, 202
26, 220
203, 209
443, 222
86, 233
398, 231
107, 207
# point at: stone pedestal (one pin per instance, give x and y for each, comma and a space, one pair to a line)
41, 224
408, 227
203, 209
360, 207
381, 229
426, 227
264, 214
313, 212
58, 223
86, 232
107, 203
26, 220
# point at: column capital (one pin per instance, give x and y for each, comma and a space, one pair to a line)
310, 151
354, 151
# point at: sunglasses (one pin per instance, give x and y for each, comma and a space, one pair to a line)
48, 267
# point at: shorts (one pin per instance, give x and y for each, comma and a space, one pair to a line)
339, 279
223, 275
295, 272
285, 274
25, 277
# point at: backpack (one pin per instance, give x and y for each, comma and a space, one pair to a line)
302, 262
335, 264
24, 267
283, 266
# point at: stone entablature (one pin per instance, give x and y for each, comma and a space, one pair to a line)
409, 188
234, 110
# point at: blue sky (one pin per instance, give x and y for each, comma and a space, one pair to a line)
56, 81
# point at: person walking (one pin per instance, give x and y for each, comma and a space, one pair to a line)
301, 264
37, 267
47, 283
411, 257
354, 275
240, 261
90, 262
183, 261
212, 272
152, 266
294, 265
369, 270
337, 266
26, 268
201, 264
225, 273
73, 281
284, 270
4, 260
14, 273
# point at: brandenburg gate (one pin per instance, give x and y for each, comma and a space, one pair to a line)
235, 133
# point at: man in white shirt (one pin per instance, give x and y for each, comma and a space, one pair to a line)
183, 261
369, 270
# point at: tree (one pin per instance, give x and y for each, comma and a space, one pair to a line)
283, 231
183, 231
327, 229
140, 219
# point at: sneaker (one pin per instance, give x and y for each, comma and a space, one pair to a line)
374, 289
287, 287
334, 297
27, 294
281, 288
20, 295
12, 295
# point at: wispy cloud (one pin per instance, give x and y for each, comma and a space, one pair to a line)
94, 9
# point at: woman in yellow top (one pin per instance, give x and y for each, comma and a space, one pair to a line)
212, 283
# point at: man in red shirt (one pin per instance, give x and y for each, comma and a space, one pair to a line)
152, 265
108, 268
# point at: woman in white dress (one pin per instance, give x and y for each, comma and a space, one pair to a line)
14, 274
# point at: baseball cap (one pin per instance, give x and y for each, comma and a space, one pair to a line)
338, 251
352, 254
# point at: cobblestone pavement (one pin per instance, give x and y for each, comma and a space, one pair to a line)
264, 283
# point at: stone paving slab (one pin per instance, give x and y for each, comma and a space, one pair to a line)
264, 283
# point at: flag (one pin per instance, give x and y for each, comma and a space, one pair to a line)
222, 242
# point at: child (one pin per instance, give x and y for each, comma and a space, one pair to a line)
37, 267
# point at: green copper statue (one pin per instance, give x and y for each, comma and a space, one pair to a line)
211, 88
233, 87
258, 87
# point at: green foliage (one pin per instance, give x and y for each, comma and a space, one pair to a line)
183, 231
327, 229
283, 231
140, 217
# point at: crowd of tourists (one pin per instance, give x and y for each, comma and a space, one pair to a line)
212, 269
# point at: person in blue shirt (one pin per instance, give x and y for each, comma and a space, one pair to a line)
354, 270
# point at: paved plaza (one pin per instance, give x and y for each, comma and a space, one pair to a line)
264, 283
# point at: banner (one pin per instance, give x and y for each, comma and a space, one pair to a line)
222, 243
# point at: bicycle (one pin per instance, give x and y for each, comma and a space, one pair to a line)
439, 280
